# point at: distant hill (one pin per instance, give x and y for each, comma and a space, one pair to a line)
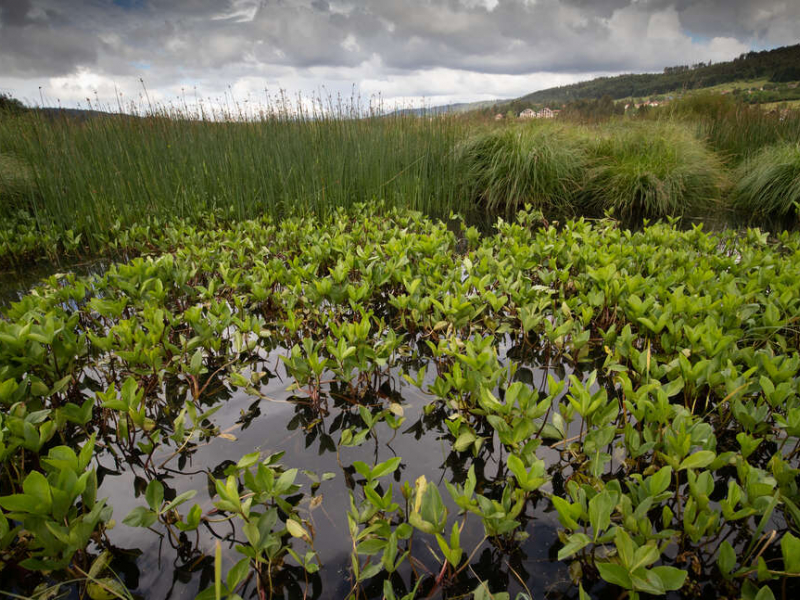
459, 107
778, 65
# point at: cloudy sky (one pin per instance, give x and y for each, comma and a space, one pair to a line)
432, 51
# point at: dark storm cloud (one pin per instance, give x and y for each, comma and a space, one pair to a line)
186, 39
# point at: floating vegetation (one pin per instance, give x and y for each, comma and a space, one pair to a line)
369, 405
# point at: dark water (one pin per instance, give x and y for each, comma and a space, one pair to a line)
16, 283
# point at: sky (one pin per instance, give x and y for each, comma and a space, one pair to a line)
411, 52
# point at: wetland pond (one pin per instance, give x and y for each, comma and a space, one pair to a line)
370, 406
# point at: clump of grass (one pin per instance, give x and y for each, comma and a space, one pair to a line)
768, 184
651, 169
537, 164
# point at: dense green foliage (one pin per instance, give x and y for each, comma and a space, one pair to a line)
769, 183
668, 415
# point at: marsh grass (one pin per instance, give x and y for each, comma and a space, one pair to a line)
735, 130
90, 174
768, 184
86, 177
537, 164
16, 183
651, 170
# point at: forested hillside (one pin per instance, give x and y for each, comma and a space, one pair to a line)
778, 65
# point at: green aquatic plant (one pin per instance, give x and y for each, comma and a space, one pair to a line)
641, 385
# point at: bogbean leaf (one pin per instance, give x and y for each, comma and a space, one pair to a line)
698, 460
790, 549
600, 508
140, 517
575, 542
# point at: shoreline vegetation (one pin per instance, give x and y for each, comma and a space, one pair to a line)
73, 186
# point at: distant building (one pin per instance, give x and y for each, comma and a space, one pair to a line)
545, 113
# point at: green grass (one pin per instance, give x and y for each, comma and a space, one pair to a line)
733, 129
88, 175
651, 170
15, 183
769, 183
539, 164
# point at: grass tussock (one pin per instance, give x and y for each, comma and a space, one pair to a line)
651, 170
768, 184
537, 164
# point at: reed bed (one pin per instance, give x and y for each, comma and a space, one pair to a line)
72, 182
735, 130
93, 173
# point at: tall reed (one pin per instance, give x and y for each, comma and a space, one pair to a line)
734, 129
88, 174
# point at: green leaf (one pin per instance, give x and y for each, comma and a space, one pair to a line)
726, 559
600, 508
575, 542
295, 529
106, 589
36, 486
154, 494
385, 467
698, 460
180, 499
140, 517
672, 578
464, 441
248, 460
790, 548
237, 574
615, 574
100, 563
765, 594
